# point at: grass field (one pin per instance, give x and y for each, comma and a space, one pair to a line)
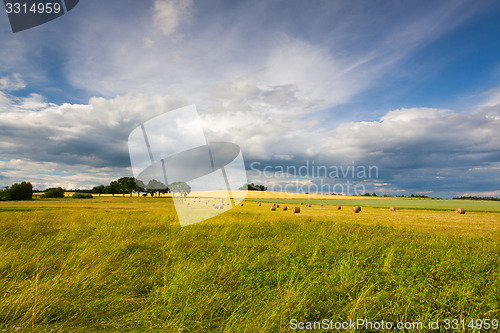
125, 265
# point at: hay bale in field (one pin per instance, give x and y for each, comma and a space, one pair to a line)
260, 205
273, 207
277, 206
241, 204
296, 210
285, 207
460, 211
339, 207
356, 209
321, 205
301, 203
392, 209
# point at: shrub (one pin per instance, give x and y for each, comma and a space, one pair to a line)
82, 196
53, 193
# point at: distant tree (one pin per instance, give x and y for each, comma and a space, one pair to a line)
253, 187
53, 193
367, 194
374, 194
155, 186
477, 198
22, 191
126, 185
113, 188
99, 189
180, 187
139, 186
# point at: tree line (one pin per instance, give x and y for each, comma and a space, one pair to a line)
477, 198
129, 185
123, 186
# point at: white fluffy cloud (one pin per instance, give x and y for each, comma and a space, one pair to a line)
421, 133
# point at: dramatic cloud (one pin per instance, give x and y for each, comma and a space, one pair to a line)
435, 147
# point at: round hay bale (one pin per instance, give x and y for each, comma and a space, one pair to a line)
339, 207
296, 210
277, 206
392, 209
356, 209
260, 205
285, 208
301, 203
241, 204
273, 207
321, 205
460, 211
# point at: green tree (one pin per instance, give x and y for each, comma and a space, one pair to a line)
139, 186
99, 189
180, 187
22, 191
127, 185
113, 188
156, 186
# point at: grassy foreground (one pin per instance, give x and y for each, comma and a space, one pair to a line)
125, 264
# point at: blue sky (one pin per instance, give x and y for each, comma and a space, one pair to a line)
410, 87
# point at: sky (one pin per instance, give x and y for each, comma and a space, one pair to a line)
410, 89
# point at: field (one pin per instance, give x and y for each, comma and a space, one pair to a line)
124, 264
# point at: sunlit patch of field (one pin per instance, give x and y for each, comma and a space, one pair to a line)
377, 202
298, 196
124, 264
475, 224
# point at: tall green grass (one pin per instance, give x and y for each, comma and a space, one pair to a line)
126, 265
